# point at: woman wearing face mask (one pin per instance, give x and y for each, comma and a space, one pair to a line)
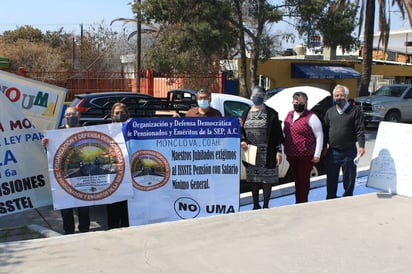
303, 144
260, 126
203, 109
117, 213
72, 119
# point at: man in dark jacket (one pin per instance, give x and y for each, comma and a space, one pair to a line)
344, 127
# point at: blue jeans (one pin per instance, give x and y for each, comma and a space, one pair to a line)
335, 160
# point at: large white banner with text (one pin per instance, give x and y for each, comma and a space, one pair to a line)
183, 168
88, 166
24, 179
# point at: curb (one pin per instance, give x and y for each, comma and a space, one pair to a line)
289, 188
44, 231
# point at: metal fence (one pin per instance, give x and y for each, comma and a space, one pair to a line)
150, 82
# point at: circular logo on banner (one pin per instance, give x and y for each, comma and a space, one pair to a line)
150, 170
89, 165
187, 208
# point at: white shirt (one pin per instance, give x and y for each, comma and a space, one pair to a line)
317, 129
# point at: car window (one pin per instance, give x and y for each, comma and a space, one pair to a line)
99, 101
408, 95
132, 101
392, 91
234, 109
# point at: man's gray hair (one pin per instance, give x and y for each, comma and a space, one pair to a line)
345, 89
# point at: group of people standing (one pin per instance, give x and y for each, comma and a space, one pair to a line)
304, 136
339, 137
117, 213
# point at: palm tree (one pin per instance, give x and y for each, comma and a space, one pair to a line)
367, 18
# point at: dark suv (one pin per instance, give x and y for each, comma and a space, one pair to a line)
95, 108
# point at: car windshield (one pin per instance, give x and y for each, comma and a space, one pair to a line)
392, 91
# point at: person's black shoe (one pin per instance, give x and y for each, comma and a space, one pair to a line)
256, 207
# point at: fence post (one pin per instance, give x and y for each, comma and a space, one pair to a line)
21, 72
87, 81
149, 82
221, 80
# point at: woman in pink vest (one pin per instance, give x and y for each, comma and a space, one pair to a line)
303, 144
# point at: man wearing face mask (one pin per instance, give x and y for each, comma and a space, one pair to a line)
303, 144
260, 126
344, 127
72, 119
117, 213
203, 109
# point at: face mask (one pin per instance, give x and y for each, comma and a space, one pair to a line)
72, 121
203, 104
340, 102
121, 117
257, 100
299, 107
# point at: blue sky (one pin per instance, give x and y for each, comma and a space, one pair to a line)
54, 14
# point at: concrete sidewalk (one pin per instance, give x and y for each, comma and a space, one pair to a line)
362, 234
51, 219
46, 222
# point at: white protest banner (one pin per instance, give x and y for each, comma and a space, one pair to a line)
24, 179
183, 168
88, 166
40, 102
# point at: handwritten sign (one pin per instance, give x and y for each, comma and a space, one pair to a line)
390, 168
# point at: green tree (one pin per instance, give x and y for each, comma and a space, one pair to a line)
27, 33
338, 18
28, 47
327, 18
193, 35
95, 49
196, 35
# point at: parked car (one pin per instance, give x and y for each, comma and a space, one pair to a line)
230, 105
389, 103
272, 91
183, 95
177, 101
95, 108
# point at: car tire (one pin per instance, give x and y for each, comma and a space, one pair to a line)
393, 116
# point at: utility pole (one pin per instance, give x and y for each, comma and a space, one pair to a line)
138, 46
